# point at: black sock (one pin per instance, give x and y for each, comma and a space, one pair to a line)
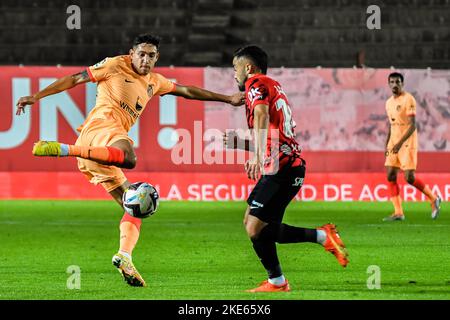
283, 233
267, 253
265, 247
291, 234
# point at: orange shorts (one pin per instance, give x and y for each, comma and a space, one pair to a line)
102, 133
405, 159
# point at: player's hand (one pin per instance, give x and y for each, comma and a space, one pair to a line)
396, 148
237, 99
253, 169
23, 102
230, 139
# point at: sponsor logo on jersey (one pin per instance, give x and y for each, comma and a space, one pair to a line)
286, 149
128, 109
256, 205
259, 93
298, 182
138, 106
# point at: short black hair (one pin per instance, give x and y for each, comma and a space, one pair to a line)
147, 38
254, 53
396, 75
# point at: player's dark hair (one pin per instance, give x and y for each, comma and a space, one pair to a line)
147, 38
257, 55
396, 75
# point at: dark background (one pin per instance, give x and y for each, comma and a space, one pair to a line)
296, 33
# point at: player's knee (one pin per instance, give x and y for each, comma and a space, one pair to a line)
252, 232
391, 177
130, 160
410, 178
254, 238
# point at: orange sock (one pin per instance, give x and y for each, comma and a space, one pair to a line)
397, 202
108, 155
394, 191
129, 232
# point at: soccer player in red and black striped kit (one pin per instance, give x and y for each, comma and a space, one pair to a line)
277, 166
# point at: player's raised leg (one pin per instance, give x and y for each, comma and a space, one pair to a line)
264, 237
264, 226
434, 200
120, 153
129, 235
394, 192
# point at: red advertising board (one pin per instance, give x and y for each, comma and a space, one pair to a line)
340, 127
211, 187
56, 118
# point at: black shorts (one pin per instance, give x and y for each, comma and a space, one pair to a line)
272, 193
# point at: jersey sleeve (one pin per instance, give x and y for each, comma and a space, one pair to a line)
101, 70
259, 94
164, 85
411, 108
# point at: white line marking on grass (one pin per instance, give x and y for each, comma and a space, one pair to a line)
405, 225
60, 223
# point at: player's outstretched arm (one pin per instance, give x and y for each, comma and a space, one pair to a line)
59, 85
190, 92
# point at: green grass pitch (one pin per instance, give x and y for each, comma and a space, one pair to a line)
199, 251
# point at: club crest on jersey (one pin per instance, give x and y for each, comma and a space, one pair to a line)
150, 91
138, 106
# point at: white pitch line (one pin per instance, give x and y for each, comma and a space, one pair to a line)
390, 224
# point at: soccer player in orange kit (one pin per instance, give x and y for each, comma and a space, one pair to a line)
125, 84
401, 147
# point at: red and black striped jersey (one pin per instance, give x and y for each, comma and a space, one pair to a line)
281, 144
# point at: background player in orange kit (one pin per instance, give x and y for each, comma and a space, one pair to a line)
401, 147
276, 158
125, 84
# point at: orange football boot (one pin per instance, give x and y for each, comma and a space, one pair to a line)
266, 286
334, 244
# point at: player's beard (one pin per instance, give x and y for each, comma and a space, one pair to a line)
241, 85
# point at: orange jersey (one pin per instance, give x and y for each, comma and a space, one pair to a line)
398, 110
122, 94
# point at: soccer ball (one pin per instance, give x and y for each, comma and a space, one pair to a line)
140, 200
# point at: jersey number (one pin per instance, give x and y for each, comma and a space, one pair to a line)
288, 125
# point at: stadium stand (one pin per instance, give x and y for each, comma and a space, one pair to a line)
296, 33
